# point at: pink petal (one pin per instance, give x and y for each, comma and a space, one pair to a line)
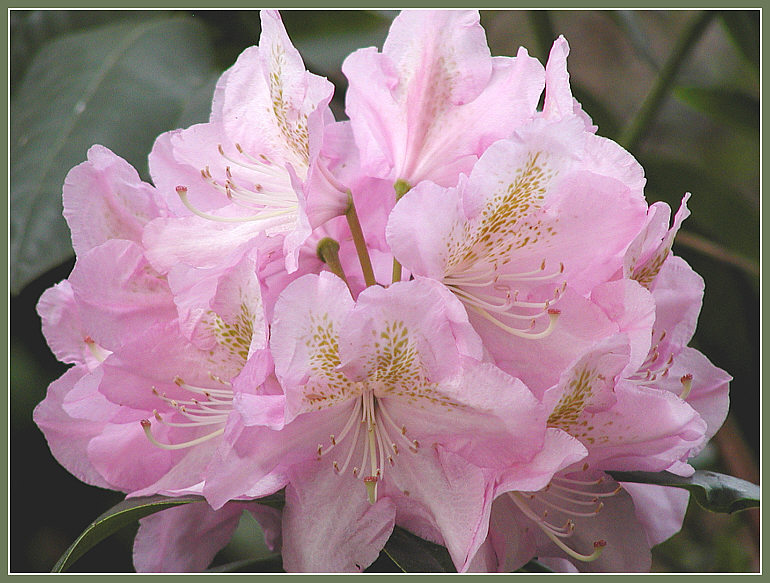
307, 321
184, 539
326, 532
659, 509
67, 436
104, 198
436, 490
435, 79
62, 326
559, 102
118, 293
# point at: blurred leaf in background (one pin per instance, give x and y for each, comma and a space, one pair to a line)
120, 78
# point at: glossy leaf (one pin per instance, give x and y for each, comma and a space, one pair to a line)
127, 512
413, 554
713, 491
119, 86
727, 106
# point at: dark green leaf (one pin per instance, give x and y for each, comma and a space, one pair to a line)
272, 564
120, 515
743, 26
416, 555
119, 86
29, 29
713, 491
127, 512
733, 108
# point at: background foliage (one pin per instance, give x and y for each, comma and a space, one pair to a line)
680, 89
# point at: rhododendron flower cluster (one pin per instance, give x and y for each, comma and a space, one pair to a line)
453, 312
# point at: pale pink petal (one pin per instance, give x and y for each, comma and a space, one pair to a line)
67, 436
588, 385
453, 492
650, 250
63, 328
560, 450
118, 293
104, 198
477, 415
429, 104
539, 363
678, 294
326, 532
306, 325
558, 102
423, 224
184, 539
621, 439
259, 457
272, 79
632, 308
660, 509
709, 392
510, 542
417, 322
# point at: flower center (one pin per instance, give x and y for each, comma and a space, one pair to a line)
206, 409
369, 430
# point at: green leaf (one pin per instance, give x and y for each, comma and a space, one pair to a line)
129, 511
743, 27
119, 86
29, 29
120, 515
413, 554
733, 108
713, 491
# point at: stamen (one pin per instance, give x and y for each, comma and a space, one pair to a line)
686, 381
146, 425
553, 315
182, 192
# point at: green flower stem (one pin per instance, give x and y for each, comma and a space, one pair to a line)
358, 239
401, 187
638, 126
329, 252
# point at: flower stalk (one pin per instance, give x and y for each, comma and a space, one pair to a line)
358, 239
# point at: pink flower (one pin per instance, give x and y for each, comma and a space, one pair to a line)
244, 172
522, 242
116, 320
434, 99
600, 400
386, 400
